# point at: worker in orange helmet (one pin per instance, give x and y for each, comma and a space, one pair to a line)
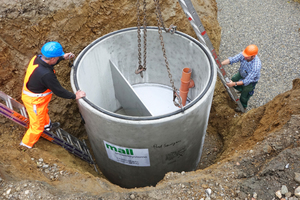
248, 75
39, 84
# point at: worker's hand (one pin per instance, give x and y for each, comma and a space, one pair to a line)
230, 84
68, 56
225, 62
80, 94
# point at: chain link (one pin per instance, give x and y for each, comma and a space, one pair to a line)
141, 68
172, 28
145, 35
159, 24
158, 15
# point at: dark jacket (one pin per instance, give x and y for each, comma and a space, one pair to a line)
43, 78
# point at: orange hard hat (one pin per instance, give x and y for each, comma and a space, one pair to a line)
250, 50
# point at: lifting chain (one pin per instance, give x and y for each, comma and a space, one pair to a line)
159, 24
172, 28
141, 67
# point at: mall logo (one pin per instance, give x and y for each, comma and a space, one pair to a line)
120, 150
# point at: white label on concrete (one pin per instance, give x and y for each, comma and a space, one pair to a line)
127, 156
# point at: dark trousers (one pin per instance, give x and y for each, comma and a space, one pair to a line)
246, 91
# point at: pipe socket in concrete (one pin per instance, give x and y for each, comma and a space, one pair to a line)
136, 133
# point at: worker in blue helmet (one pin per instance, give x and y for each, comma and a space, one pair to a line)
39, 84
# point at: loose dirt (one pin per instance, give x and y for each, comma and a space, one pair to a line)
243, 153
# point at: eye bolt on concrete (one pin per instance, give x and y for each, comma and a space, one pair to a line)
136, 133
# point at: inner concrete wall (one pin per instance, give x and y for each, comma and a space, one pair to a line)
95, 74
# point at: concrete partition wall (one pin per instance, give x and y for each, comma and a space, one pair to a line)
134, 151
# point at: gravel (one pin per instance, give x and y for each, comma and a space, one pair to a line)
274, 26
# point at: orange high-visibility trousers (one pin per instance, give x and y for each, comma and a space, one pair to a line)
37, 109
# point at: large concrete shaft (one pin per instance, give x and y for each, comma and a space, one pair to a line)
135, 151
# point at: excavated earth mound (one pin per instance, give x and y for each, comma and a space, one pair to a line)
244, 155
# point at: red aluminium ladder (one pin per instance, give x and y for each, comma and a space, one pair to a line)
198, 27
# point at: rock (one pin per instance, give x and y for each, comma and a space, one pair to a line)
41, 160
45, 166
254, 195
288, 194
278, 194
132, 196
267, 149
213, 196
8, 191
284, 190
297, 191
287, 165
208, 192
27, 192
297, 177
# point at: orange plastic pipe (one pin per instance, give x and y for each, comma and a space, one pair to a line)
186, 84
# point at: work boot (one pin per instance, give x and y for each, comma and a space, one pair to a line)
53, 126
238, 109
23, 147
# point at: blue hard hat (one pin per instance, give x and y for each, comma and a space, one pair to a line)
52, 49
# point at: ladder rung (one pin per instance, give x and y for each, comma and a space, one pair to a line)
8, 103
23, 112
70, 139
79, 145
58, 133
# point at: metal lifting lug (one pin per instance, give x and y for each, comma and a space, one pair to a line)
172, 29
140, 71
176, 95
